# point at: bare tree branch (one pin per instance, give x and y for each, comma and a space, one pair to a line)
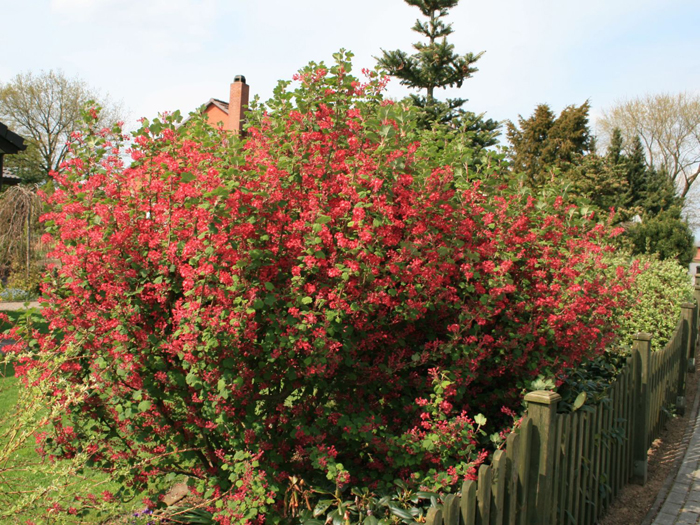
45, 108
669, 127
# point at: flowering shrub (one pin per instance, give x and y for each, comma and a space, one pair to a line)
655, 298
304, 304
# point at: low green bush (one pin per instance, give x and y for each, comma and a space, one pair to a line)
657, 294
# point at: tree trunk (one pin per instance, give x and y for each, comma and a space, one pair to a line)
28, 244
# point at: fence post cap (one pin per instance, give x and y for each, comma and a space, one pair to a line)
642, 336
688, 305
542, 397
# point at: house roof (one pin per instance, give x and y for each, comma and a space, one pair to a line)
696, 259
9, 179
10, 142
223, 106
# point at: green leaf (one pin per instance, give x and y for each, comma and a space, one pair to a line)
322, 506
580, 400
480, 420
401, 513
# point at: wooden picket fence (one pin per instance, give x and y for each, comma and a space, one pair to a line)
567, 468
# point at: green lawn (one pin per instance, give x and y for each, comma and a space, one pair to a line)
22, 470
16, 316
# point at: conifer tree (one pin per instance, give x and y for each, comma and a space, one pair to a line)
652, 195
665, 234
543, 142
436, 64
614, 155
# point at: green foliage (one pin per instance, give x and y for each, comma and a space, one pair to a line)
543, 144
649, 194
463, 153
589, 383
434, 64
437, 65
27, 164
35, 490
27, 285
559, 153
657, 294
666, 235
479, 131
602, 184
400, 505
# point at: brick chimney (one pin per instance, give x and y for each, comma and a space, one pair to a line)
238, 104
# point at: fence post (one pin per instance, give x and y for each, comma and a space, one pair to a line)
642, 356
542, 410
694, 335
694, 331
687, 347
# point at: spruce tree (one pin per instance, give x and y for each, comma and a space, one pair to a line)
653, 196
636, 172
614, 155
542, 143
436, 64
529, 141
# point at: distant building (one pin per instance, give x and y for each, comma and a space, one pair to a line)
10, 143
695, 264
231, 114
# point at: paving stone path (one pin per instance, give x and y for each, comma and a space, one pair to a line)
682, 504
4, 306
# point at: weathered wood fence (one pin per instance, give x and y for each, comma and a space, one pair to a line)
568, 468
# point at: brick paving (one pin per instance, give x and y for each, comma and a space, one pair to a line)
682, 502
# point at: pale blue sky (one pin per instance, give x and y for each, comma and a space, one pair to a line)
157, 55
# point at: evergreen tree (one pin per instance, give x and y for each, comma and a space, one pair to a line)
570, 138
602, 183
543, 143
635, 168
650, 189
615, 155
652, 195
665, 234
660, 193
435, 64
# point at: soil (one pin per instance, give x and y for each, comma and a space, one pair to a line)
640, 504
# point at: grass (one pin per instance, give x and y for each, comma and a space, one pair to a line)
22, 469
17, 316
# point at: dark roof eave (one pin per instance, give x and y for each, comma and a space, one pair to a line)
10, 142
